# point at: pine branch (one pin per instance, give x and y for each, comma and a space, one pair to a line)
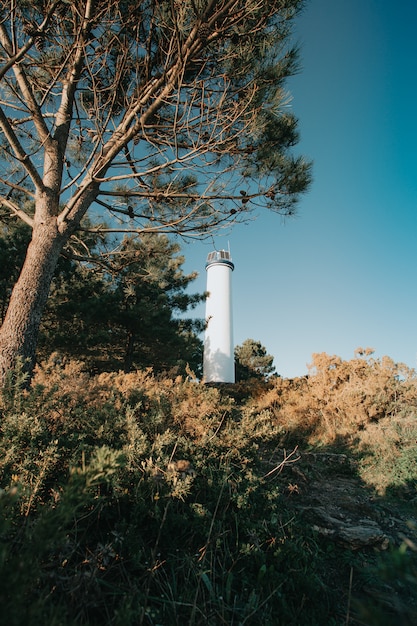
18, 150
16, 211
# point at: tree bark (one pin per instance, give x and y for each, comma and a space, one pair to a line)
128, 358
20, 329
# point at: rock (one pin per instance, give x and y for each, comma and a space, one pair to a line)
367, 534
340, 508
340, 527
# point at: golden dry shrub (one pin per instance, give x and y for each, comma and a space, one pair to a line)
63, 384
199, 410
348, 395
339, 398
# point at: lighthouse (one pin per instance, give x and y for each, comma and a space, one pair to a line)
219, 362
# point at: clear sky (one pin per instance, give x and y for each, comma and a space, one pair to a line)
342, 273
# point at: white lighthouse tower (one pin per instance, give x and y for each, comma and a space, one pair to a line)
219, 362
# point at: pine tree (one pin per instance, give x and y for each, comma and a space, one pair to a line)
169, 115
133, 311
253, 361
129, 314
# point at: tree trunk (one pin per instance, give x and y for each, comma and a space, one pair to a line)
19, 331
128, 359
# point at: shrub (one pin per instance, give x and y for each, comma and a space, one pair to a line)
131, 499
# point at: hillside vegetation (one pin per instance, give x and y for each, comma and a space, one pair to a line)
134, 499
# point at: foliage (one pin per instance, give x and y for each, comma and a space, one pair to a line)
253, 361
136, 499
126, 313
397, 569
130, 314
366, 402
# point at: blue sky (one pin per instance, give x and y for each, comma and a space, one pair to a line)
342, 273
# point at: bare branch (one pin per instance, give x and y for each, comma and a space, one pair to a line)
18, 150
287, 460
24, 83
16, 212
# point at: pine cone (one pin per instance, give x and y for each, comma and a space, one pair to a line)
203, 33
39, 43
61, 9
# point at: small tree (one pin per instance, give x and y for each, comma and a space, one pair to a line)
169, 115
253, 361
127, 314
